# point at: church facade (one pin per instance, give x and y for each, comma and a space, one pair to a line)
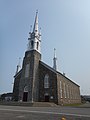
38, 82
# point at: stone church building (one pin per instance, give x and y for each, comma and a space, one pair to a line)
38, 82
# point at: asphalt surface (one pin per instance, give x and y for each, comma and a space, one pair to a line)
43, 113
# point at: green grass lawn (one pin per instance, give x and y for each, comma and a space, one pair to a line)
74, 105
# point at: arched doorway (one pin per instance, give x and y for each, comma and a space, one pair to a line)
46, 97
25, 94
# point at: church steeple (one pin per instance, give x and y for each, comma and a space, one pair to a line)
55, 60
35, 37
35, 28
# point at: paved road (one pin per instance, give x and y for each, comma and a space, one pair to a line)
43, 113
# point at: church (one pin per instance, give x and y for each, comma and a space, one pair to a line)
38, 82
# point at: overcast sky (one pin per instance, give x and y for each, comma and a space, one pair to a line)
65, 25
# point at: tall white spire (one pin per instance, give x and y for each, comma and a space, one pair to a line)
18, 66
35, 37
35, 28
55, 60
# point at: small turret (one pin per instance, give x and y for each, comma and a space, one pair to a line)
55, 60
18, 66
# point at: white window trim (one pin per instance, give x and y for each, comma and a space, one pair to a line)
27, 70
64, 90
46, 81
61, 89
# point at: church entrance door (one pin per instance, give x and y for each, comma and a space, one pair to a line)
46, 98
25, 95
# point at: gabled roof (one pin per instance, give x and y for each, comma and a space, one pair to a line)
16, 75
67, 78
48, 67
57, 72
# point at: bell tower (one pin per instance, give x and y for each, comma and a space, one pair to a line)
29, 82
35, 37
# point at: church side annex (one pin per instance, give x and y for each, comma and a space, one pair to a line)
38, 82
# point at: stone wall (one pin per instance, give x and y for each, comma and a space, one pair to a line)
68, 91
61, 89
52, 90
31, 81
16, 86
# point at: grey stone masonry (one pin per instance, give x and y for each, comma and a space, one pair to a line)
52, 90
16, 86
68, 91
29, 76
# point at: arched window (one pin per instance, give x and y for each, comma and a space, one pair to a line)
46, 81
32, 43
37, 45
61, 89
26, 89
64, 85
27, 70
